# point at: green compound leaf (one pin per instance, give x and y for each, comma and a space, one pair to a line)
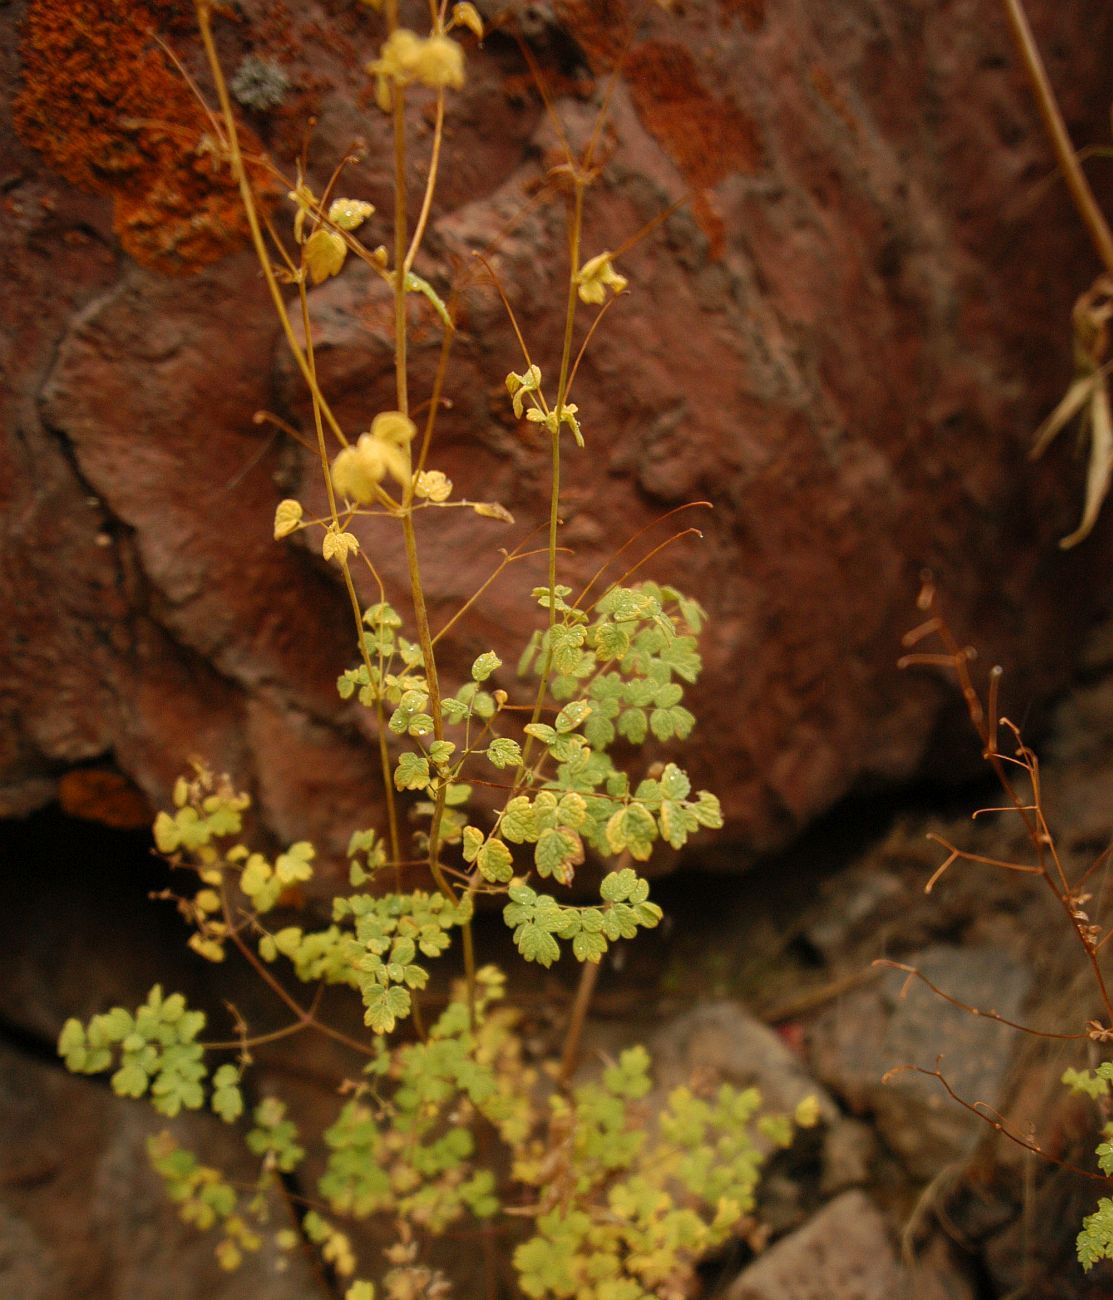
572, 810
674, 782
707, 811
632, 828
519, 825
274, 1137
130, 1080
484, 666
633, 725
504, 752
412, 772
227, 1099
674, 721
173, 1092
565, 644
495, 862
295, 864
536, 944
384, 1006
557, 853
610, 642
257, 874
573, 715
473, 841
1095, 1241
588, 946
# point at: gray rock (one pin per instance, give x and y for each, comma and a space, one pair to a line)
82, 1214
849, 1150
722, 1037
902, 1022
843, 1253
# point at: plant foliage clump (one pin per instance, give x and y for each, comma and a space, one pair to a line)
448, 1122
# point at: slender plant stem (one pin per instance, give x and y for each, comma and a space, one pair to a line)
403, 256
1100, 234
247, 197
430, 186
305, 1015
575, 227
570, 1055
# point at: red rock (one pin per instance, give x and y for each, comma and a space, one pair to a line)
843, 341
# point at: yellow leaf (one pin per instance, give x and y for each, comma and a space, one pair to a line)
492, 510
338, 546
439, 63
287, 517
349, 214
596, 276
1101, 464
393, 427
466, 15
324, 254
357, 471
432, 485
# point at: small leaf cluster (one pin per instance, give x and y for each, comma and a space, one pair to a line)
153, 1049
1095, 1241
206, 808
633, 1205
629, 658
395, 661
539, 920
404, 1144
204, 1198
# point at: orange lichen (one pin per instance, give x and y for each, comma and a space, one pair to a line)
105, 106
707, 138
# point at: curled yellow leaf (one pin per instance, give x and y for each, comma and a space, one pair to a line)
432, 485
596, 276
357, 471
393, 427
492, 510
324, 254
465, 14
287, 518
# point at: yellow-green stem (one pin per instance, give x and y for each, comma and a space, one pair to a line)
417, 593
353, 599
247, 198
569, 1057
1065, 155
576, 224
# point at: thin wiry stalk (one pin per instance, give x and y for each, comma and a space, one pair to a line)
1088, 209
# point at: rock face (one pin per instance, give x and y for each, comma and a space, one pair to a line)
841, 1254
841, 340
81, 1213
876, 1030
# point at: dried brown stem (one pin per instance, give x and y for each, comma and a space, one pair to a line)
988, 1115
885, 964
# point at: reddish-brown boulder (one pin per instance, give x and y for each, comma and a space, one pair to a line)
842, 340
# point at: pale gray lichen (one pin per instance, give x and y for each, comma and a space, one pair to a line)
260, 83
